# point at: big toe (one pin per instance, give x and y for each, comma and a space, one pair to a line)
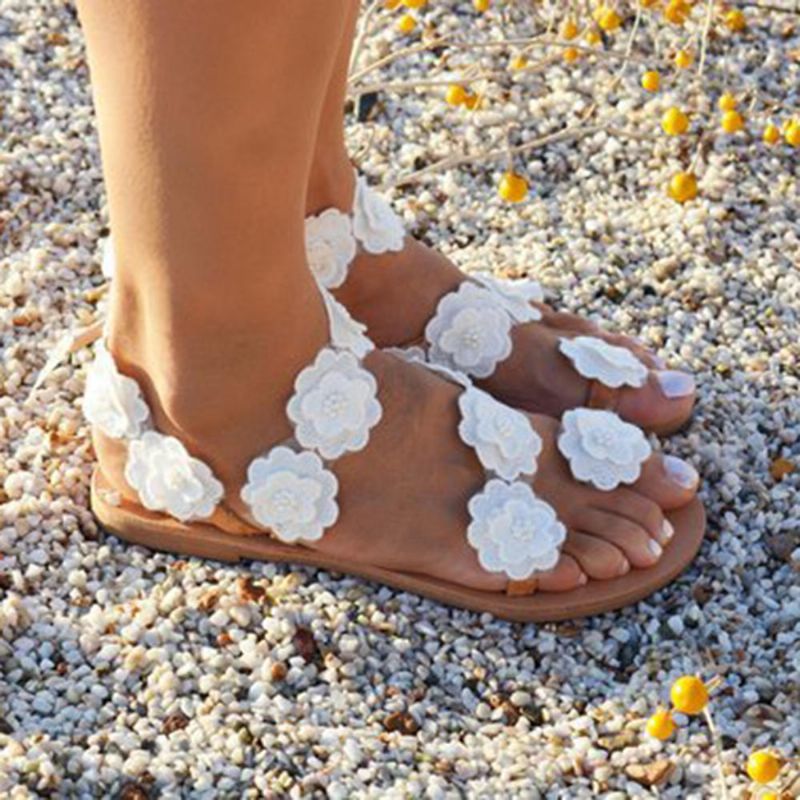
663, 404
669, 481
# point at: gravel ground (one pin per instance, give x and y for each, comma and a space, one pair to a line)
130, 674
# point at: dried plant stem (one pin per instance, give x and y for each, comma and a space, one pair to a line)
718, 752
579, 129
704, 38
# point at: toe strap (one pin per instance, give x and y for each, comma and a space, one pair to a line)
601, 396
522, 588
604, 363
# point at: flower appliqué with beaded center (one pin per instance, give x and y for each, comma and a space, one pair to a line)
330, 247
516, 296
610, 365
168, 479
112, 401
502, 437
513, 531
601, 448
470, 331
375, 224
334, 405
292, 494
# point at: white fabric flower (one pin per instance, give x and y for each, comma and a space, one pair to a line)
516, 296
112, 401
168, 479
330, 246
470, 331
513, 530
108, 262
334, 405
375, 224
610, 365
502, 437
601, 448
346, 333
292, 494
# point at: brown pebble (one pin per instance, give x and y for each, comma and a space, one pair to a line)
278, 671
650, 774
174, 722
305, 644
402, 722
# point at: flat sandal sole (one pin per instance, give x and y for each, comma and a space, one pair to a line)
136, 525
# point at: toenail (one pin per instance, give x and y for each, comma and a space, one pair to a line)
583, 579
624, 568
681, 472
675, 384
667, 531
655, 548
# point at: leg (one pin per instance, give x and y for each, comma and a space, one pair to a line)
208, 117
395, 294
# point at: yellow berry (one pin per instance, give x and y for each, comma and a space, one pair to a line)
661, 725
732, 122
414, 3
792, 133
571, 54
456, 95
689, 694
771, 134
569, 29
518, 62
763, 767
683, 59
609, 20
676, 12
682, 188
651, 81
768, 796
674, 122
727, 102
647, 3
406, 23
513, 188
473, 101
481, 5
593, 37
736, 20
391, 5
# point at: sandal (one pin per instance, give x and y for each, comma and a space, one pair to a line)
471, 329
176, 503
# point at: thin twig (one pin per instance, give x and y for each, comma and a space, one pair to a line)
503, 152
718, 751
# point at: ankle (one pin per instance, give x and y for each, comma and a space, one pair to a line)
332, 180
203, 369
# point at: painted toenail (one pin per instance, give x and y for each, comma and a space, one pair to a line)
624, 568
655, 548
667, 531
675, 384
583, 579
681, 472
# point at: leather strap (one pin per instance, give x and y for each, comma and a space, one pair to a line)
601, 396
522, 588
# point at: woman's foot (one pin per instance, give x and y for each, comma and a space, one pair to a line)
396, 293
403, 498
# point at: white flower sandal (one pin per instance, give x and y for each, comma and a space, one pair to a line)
471, 328
291, 491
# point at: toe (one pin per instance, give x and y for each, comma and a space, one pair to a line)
668, 481
662, 404
637, 544
566, 575
598, 558
639, 509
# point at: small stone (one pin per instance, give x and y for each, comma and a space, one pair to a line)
651, 774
